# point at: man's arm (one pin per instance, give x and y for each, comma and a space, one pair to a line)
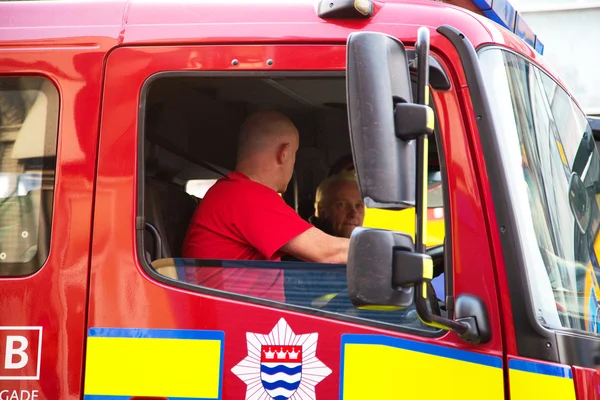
313, 245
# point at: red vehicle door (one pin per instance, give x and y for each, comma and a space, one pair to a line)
151, 333
49, 111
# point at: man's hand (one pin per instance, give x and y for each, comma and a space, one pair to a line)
313, 245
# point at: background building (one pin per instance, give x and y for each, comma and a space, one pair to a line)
570, 32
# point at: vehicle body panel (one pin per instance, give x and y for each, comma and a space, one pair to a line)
70, 42
587, 382
119, 282
55, 298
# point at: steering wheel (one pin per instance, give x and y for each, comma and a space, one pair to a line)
437, 256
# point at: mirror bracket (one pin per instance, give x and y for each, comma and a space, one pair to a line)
410, 268
472, 333
413, 120
434, 320
472, 311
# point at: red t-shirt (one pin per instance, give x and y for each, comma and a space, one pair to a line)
239, 219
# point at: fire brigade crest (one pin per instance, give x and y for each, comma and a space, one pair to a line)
281, 365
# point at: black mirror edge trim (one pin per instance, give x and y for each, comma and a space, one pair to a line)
533, 341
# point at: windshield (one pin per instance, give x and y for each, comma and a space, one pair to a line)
549, 154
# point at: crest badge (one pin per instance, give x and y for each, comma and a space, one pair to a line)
281, 365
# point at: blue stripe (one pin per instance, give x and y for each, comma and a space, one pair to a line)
108, 397
221, 335
280, 398
342, 359
156, 333
483, 4
432, 349
280, 384
281, 368
562, 371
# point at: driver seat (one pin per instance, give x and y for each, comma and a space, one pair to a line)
168, 211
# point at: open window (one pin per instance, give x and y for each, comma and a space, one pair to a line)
190, 127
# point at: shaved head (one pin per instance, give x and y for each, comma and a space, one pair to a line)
267, 147
264, 130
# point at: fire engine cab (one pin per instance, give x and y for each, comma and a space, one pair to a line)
473, 276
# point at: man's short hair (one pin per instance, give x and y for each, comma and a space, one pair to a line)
260, 128
332, 181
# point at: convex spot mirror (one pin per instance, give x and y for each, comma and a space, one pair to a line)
370, 268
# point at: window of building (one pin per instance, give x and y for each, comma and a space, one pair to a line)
191, 129
28, 133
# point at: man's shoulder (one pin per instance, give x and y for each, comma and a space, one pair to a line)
239, 189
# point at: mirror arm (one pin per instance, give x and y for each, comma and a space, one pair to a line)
415, 270
467, 328
422, 52
460, 327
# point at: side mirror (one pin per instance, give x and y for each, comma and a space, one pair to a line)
384, 270
369, 271
389, 138
378, 78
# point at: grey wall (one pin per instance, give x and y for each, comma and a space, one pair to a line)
570, 32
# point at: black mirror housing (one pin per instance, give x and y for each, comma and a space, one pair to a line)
370, 268
413, 120
378, 78
410, 268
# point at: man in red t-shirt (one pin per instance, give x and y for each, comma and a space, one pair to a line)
243, 217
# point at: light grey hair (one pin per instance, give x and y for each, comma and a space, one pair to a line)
325, 187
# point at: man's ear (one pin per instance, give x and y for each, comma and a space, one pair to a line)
283, 153
321, 211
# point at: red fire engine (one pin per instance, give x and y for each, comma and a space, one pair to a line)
114, 113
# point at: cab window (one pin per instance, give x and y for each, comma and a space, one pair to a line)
28, 133
554, 170
190, 132
199, 187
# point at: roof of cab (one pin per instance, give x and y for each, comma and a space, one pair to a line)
131, 22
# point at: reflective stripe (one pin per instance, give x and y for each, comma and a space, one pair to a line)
154, 362
534, 380
383, 367
427, 268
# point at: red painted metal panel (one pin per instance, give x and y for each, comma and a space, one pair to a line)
136, 22
587, 383
122, 295
56, 23
55, 298
492, 244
